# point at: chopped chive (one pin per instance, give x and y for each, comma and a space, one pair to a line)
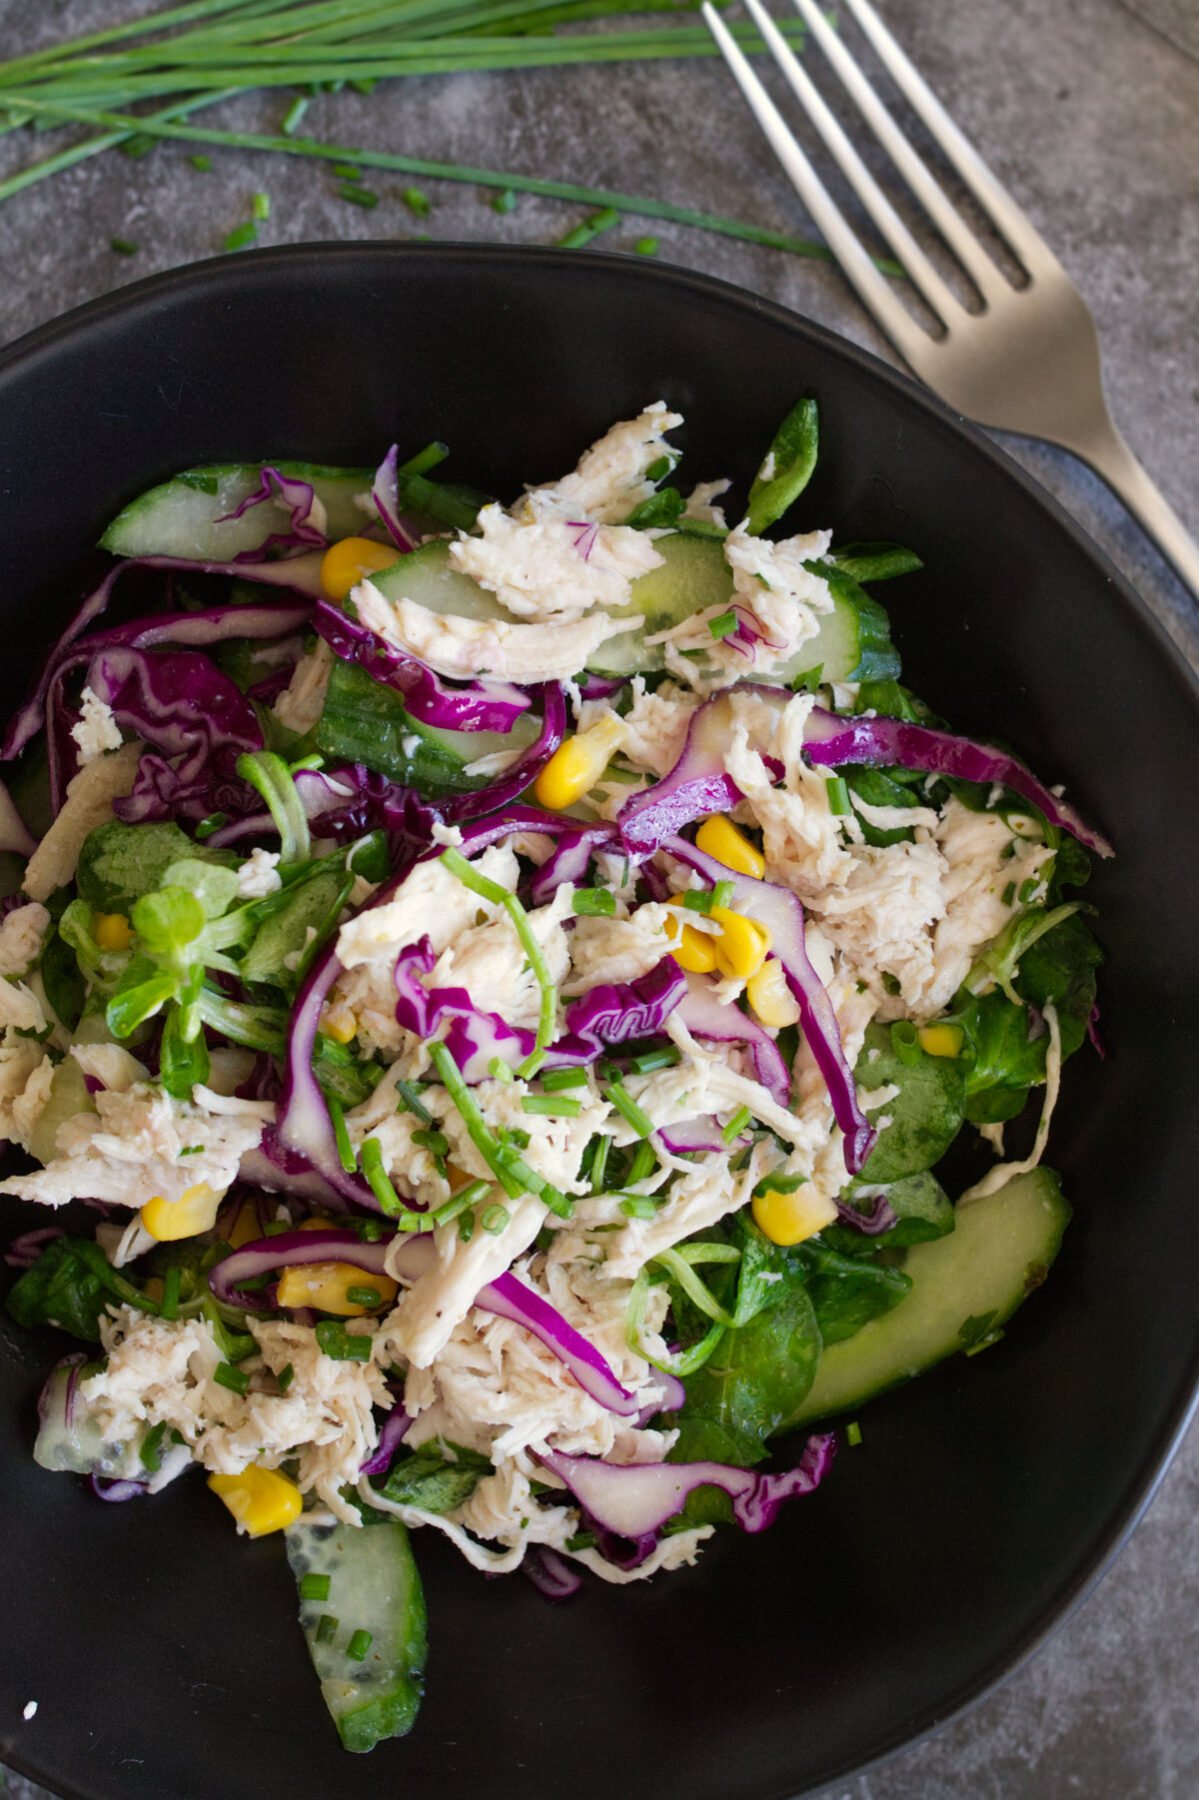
226, 1376
363, 1296
557, 1079
357, 196
499, 1070
358, 1646
723, 625
838, 796
285, 1377
204, 165
722, 894
628, 1109
504, 202
417, 201
260, 206
122, 246
1009, 893
644, 1163
140, 144
599, 1164
433, 1140
651, 1060
276, 1227
242, 235
346, 171
495, 1218
170, 1292
591, 228
336, 1342
345, 1150
411, 1102
736, 1125
327, 1628
379, 1180
515, 1176
646, 246
639, 1206
466, 1227
450, 1209
905, 1041
1027, 889
808, 680
700, 900
582, 1540
212, 823
551, 1106
314, 1587
293, 115
151, 1450
593, 903
853, 1434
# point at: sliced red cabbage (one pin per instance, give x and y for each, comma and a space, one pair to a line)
869, 1224
119, 1489
550, 1573
780, 911
619, 1012
706, 1016
600, 687
510, 1298
475, 706
385, 492
395, 1427
687, 1136
342, 802
509, 786
24, 1250
570, 860
299, 499
289, 1249
698, 784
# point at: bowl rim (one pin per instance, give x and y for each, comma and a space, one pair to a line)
21, 357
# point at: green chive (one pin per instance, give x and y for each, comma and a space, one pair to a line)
1009, 893
170, 1291
599, 1164
140, 144
466, 1227
550, 1106
260, 206
628, 1109
363, 1296
722, 894
499, 1070
450, 1209
417, 201
515, 1176
434, 1140
293, 115
582, 1540
499, 896
504, 202
314, 1587
151, 1450
236, 1380
123, 247
285, 1377
357, 196
838, 796
650, 1060
644, 1163
557, 1079
213, 822
379, 1180
646, 246
327, 1628
808, 680
345, 1150
410, 1101
1027, 890
203, 164
700, 900
723, 624
358, 1646
639, 1206
242, 235
905, 1042
276, 1227
336, 1342
346, 171
591, 228
853, 1434
593, 903
495, 1218
736, 1125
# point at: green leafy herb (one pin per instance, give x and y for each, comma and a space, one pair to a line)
787, 468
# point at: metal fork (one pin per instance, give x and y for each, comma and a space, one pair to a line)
1028, 361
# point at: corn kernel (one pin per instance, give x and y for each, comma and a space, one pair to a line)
742, 945
338, 1023
695, 950
324, 1285
770, 996
790, 1218
720, 838
112, 931
193, 1212
244, 1225
345, 564
578, 763
942, 1040
261, 1500
317, 1224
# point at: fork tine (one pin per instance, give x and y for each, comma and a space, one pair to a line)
931, 195
908, 337
880, 209
1012, 222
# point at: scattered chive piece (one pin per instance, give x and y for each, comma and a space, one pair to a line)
466, 1227
905, 1041
345, 1150
651, 1060
557, 1079
260, 206
379, 1180
504, 202
515, 1176
151, 1450
417, 201
853, 1434
357, 196
140, 144
646, 246
363, 1296
337, 1343
433, 1140
358, 1646
293, 115
241, 236
644, 1163
628, 1109
1027, 889
326, 1630
495, 1218
123, 246
499, 1070
236, 1380
170, 1292
736, 1125
723, 624
1009, 893
276, 1227
551, 1106
639, 1206
838, 796
593, 903
582, 1540
204, 164
499, 896
700, 900
590, 228
346, 171
412, 1102
285, 1377
314, 1587
722, 894
450, 1209
212, 823
599, 1164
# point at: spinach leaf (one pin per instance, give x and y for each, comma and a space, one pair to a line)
876, 562
315, 901
119, 863
61, 1289
847, 1292
66, 989
922, 1208
926, 1114
787, 468
879, 788
365, 722
437, 1478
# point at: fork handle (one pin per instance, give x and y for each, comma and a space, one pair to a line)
1108, 454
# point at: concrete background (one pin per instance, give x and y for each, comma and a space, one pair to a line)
1087, 109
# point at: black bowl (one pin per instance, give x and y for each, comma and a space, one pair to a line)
162, 1651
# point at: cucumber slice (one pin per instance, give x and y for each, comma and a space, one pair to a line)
365, 722
963, 1287
428, 578
373, 1587
314, 904
693, 575
180, 517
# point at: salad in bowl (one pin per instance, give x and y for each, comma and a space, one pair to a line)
495, 995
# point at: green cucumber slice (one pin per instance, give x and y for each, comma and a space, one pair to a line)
180, 517
373, 1587
964, 1286
693, 575
428, 578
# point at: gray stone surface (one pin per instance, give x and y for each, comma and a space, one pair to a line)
1087, 109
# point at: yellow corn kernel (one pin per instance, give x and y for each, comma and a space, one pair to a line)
742, 945
790, 1218
245, 1224
578, 763
193, 1212
325, 1285
942, 1040
261, 1500
720, 838
696, 950
112, 931
338, 1023
345, 564
317, 1224
770, 996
